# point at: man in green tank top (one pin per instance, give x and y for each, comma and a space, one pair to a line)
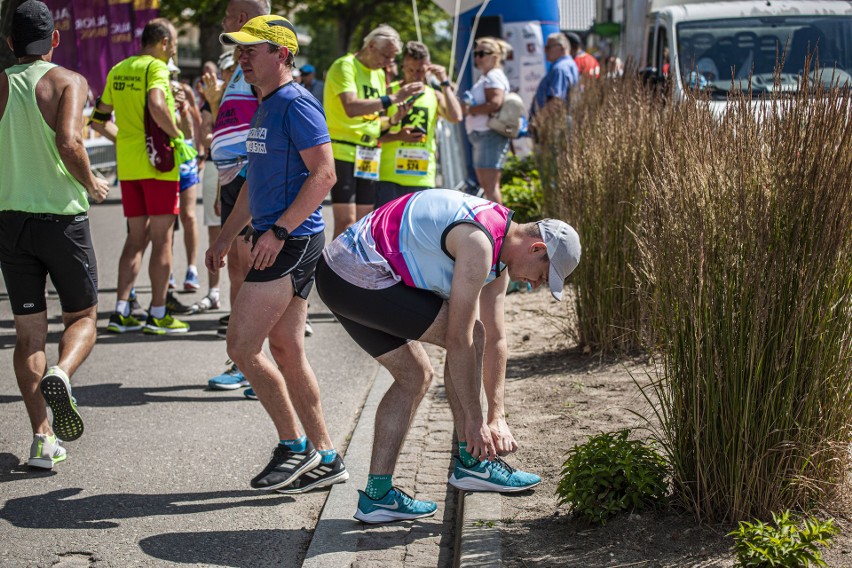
354, 99
408, 160
44, 226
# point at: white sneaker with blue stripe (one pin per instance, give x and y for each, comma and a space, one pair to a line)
396, 505
492, 475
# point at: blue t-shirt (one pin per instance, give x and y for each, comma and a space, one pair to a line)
557, 83
287, 121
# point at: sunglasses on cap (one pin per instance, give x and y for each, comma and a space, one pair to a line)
482, 53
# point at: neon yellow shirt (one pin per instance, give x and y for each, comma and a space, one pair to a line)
33, 178
125, 92
412, 164
348, 75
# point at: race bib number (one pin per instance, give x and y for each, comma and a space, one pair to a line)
411, 162
367, 162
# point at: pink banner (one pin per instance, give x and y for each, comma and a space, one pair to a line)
94, 35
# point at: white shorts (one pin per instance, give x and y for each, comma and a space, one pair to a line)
209, 190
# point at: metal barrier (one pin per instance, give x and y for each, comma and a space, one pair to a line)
101, 153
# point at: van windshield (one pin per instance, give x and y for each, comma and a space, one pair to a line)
720, 55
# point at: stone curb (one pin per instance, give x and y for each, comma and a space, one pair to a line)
477, 530
335, 539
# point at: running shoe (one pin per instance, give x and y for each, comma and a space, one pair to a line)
122, 324
166, 325
231, 379
45, 451
56, 390
225, 319
172, 284
191, 281
309, 329
492, 475
204, 304
136, 309
286, 466
396, 505
323, 475
175, 306
222, 333
250, 394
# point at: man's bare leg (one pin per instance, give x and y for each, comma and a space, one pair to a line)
190, 223
344, 216
30, 363
239, 264
130, 261
287, 345
160, 264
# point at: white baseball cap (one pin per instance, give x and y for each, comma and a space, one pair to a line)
563, 250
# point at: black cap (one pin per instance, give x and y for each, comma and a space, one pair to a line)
32, 29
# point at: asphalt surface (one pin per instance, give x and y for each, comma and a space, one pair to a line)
161, 473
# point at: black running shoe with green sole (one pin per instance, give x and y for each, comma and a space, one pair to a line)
56, 389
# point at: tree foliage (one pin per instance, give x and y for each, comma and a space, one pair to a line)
335, 26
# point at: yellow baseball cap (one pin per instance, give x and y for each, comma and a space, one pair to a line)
265, 29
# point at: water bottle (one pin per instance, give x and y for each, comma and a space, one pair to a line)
467, 98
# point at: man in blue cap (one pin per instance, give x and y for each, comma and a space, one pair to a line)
311, 83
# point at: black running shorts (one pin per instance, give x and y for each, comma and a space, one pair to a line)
387, 191
349, 189
228, 198
298, 258
33, 245
378, 320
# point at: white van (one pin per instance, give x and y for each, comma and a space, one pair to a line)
716, 46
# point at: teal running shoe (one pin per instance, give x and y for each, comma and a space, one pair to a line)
250, 394
493, 475
232, 379
396, 505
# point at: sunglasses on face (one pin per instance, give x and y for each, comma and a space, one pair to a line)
482, 53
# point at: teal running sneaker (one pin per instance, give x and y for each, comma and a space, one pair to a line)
56, 390
396, 505
250, 394
45, 451
232, 379
493, 475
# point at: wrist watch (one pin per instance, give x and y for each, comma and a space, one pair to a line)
280, 232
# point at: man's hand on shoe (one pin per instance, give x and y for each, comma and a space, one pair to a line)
479, 442
502, 437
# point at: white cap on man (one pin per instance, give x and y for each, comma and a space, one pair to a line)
563, 250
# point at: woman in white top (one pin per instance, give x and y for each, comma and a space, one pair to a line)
489, 147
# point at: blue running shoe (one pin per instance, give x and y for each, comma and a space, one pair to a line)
190, 283
493, 475
232, 379
250, 394
396, 505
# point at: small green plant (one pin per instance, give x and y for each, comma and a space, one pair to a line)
610, 474
521, 189
782, 543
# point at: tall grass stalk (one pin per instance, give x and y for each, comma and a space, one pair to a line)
746, 239
591, 179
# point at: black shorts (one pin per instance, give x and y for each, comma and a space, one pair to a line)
228, 198
387, 191
298, 258
349, 189
378, 320
34, 245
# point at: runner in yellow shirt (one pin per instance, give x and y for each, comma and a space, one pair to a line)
354, 98
408, 160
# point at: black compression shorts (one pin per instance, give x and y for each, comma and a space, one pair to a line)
349, 189
33, 245
228, 197
378, 320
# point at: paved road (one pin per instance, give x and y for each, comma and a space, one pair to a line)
161, 474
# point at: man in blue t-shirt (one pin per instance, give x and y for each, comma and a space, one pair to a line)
290, 171
563, 74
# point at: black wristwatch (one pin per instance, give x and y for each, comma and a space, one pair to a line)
280, 232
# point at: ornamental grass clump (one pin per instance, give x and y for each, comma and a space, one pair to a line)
590, 178
746, 241
610, 474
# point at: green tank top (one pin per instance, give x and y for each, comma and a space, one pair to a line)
412, 163
33, 178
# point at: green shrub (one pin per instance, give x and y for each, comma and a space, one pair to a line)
610, 474
782, 543
521, 189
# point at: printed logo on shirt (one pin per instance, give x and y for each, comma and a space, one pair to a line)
417, 117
